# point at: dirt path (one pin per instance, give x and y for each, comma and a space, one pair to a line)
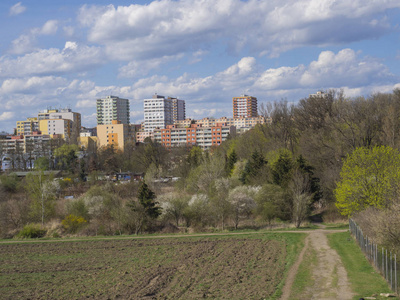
329, 275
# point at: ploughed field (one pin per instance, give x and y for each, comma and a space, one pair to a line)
224, 267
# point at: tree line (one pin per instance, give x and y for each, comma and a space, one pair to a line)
279, 171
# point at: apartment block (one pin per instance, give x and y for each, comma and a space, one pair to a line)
244, 107
28, 126
116, 134
112, 108
196, 134
60, 127
160, 111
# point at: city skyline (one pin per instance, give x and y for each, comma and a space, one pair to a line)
206, 52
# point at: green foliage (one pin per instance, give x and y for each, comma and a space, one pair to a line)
146, 198
78, 208
314, 182
72, 223
195, 156
42, 190
270, 202
9, 182
253, 167
66, 155
231, 161
282, 169
42, 163
369, 177
32, 231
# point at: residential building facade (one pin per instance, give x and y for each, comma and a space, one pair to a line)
28, 126
112, 108
244, 107
160, 112
196, 134
116, 134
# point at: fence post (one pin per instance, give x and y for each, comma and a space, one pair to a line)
395, 273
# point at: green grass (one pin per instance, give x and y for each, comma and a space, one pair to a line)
304, 276
294, 244
365, 280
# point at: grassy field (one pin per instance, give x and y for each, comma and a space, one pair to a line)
365, 280
224, 267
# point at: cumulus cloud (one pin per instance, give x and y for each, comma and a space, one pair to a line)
27, 42
264, 27
17, 9
72, 58
140, 68
205, 96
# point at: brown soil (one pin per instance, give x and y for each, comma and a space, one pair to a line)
191, 268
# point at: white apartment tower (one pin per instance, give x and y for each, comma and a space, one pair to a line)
160, 111
112, 108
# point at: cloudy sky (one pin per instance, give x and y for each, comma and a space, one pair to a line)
68, 54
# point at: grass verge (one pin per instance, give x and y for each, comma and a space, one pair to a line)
365, 280
304, 277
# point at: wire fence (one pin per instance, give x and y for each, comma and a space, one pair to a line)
383, 260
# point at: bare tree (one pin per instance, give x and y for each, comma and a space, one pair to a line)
301, 197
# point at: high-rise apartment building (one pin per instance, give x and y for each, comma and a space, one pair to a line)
112, 108
244, 106
160, 112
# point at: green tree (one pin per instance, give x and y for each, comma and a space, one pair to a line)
66, 155
282, 169
231, 161
147, 198
369, 177
43, 191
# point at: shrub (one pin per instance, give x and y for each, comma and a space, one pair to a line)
32, 231
72, 223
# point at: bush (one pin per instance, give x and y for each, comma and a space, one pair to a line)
72, 223
31, 231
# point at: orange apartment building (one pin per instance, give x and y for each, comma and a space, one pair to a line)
196, 134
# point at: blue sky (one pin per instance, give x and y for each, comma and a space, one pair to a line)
58, 54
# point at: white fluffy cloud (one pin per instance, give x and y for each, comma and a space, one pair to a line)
17, 9
205, 96
26, 42
49, 61
265, 27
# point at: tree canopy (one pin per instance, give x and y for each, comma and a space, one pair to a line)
369, 177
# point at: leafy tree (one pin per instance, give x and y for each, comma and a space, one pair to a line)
66, 155
42, 163
369, 177
270, 202
43, 191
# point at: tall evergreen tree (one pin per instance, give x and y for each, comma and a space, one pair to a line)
147, 198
